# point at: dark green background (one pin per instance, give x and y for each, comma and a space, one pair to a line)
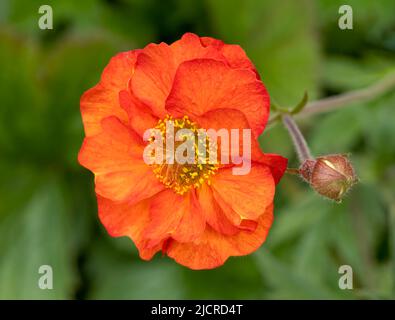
47, 205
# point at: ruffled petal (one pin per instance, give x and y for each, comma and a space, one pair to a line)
275, 162
101, 101
203, 85
189, 47
140, 116
157, 65
256, 189
115, 156
153, 76
233, 119
126, 219
176, 216
233, 53
228, 120
213, 213
212, 249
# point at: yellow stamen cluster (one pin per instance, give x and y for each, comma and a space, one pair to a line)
182, 177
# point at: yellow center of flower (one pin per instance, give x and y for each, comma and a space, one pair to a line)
181, 177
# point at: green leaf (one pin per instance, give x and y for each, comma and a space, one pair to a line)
380, 135
347, 234
117, 275
238, 278
343, 73
279, 37
22, 101
37, 235
17, 185
285, 282
337, 132
71, 67
371, 18
311, 257
291, 222
301, 104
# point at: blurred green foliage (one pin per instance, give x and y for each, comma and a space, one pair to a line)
47, 206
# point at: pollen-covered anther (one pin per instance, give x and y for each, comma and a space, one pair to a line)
182, 177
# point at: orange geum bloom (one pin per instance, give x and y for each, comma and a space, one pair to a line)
197, 214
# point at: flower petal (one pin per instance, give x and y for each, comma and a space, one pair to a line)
126, 219
140, 116
204, 85
176, 216
234, 119
101, 101
212, 249
153, 76
213, 213
189, 47
256, 189
275, 162
157, 65
115, 156
228, 119
234, 54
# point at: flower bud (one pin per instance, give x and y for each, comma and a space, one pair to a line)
331, 176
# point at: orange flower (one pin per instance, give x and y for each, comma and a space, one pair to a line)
201, 220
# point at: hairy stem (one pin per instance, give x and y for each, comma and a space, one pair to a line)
341, 100
299, 141
345, 99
